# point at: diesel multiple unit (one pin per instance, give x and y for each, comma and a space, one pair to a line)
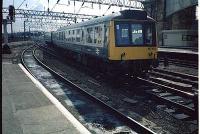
123, 42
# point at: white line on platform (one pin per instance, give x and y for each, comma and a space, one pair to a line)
64, 111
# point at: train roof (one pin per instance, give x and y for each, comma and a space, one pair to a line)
125, 14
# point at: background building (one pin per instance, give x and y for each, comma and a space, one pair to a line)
178, 17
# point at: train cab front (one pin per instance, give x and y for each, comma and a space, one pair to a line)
133, 44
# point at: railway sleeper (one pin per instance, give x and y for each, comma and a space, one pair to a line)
167, 88
177, 85
179, 63
187, 110
194, 96
174, 78
186, 76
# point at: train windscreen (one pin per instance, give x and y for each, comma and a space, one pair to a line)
134, 34
137, 34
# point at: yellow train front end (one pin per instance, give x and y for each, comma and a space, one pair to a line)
133, 44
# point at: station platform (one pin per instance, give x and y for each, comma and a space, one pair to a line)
26, 110
175, 50
176, 53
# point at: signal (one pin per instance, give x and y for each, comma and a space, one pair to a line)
11, 12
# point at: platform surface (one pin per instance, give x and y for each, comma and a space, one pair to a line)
25, 109
174, 50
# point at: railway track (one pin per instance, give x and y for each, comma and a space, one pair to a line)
107, 117
190, 80
182, 101
177, 77
178, 74
181, 63
177, 89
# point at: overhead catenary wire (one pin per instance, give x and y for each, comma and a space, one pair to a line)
74, 5
21, 4
99, 3
81, 7
120, 3
36, 5
53, 7
55, 4
107, 9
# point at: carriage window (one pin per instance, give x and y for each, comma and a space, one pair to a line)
78, 35
98, 35
66, 34
82, 35
122, 33
89, 35
63, 36
73, 35
137, 34
149, 35
60, 34
69, 38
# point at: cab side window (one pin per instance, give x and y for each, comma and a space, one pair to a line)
78, 35
149, 34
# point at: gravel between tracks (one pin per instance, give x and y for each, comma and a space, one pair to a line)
139, 107
191, 71
16, 49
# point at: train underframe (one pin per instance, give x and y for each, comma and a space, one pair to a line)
115, 68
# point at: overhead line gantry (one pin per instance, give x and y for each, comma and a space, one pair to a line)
70, 17
52, 15
119, 3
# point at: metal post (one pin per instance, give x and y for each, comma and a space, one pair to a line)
166, 62
74, 5
11, 26
24, 30
196, 103
5, 31
29, 32
164, 15
6, 48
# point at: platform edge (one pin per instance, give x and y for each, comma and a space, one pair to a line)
60, 107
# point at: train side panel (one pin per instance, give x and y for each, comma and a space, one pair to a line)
82, 47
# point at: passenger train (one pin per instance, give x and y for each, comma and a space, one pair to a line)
122, 42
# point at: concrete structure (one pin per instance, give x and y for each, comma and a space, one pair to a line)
173, 6
5, 21
173, 15
180, 38
25, 109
